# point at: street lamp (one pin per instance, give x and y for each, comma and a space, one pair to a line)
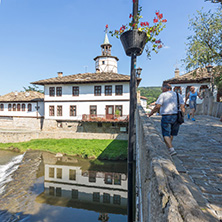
209, 70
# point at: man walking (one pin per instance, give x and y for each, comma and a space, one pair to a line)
192, 95
167, 103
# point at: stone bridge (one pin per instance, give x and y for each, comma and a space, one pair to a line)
185, 187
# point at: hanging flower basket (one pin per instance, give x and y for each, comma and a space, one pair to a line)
133, 41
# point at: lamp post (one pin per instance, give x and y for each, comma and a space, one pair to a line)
209, 70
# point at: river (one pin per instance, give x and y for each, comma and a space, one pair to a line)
66, 189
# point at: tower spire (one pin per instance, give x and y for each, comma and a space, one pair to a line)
106, 46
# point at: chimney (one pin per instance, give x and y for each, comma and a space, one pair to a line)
60, 74
177, 73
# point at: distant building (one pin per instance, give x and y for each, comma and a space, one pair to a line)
22, 104
201, 80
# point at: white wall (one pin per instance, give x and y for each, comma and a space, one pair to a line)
26, 113
85, 99
110, 64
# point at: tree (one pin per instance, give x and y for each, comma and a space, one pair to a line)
205, 45
33, 88
214, 1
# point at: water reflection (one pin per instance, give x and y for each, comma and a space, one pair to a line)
82, 184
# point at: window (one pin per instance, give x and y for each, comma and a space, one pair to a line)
59, 173
51, 172
72, 174
75, 194
58, 192
93, 110
116, 199
106, 198
2, 107
9, 107
58, 91
117, 179
51, 111
29, 107
119, 110
96, 197
92, 177
119, 90
14, 107
51, 191
75, 91
97, 90
18, 107
108, 90
103, 62
51, 91
72, 110
108, 178
177, 89
23, 107
59, 110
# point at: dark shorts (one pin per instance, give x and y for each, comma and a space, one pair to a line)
192, 104
169, 125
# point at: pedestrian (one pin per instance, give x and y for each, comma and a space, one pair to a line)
192, 96
167, 104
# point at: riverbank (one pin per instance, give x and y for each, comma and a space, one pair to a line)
87, 148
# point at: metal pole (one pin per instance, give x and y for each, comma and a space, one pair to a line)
131, 141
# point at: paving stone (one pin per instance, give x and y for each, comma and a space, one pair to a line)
200, 153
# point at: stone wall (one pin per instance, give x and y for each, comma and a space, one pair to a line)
21, 123
163, 194
209, 107
22, 136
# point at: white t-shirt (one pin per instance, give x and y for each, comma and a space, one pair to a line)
168, 102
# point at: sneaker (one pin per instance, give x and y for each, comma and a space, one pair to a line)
188, 116
172, 152
193, 119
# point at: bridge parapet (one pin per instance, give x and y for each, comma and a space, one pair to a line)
162, 193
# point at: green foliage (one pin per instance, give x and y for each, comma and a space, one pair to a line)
151, 93
205, 45
33, 88
102, 149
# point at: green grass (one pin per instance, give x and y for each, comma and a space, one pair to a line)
101, 149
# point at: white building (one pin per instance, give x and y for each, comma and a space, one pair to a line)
102, 96
201, 80
22, 104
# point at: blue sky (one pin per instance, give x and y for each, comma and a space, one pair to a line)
40, 38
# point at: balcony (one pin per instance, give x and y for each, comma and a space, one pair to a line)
105, 118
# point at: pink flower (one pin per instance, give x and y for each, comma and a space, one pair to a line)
107, 26
147, 23
141, 23
160, 46
130, 16
164, 20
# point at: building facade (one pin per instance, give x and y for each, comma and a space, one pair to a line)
198, 78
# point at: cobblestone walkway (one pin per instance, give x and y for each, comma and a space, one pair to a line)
199, 160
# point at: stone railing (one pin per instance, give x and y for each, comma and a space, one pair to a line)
162, 194
209, 106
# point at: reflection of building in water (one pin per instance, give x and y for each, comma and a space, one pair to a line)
104, 192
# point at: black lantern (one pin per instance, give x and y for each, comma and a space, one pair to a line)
138, 72
209, 68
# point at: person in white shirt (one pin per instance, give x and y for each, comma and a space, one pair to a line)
167, 104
